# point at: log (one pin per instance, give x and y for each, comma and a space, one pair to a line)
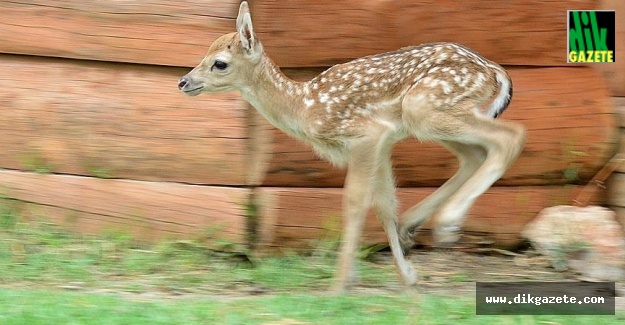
122, 121
301, 33
572, 132
149, 211
303, 217
139, 31
178, 33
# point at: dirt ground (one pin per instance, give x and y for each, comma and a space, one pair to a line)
441, 272
449, 272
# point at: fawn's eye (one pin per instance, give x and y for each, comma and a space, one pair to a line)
220, 65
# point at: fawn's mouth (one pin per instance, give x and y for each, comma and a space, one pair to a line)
193, 92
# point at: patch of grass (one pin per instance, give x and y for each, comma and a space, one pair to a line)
41, 253
52, 307
116, 280
8, 215
462, 277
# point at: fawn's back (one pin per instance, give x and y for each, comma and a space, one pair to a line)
342, 100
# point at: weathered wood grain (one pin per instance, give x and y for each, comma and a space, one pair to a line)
301, 33
174, 33
147, 210
130, 121
572, 132
301, 217
178, 33
121, 121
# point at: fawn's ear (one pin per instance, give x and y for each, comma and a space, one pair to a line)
245, 28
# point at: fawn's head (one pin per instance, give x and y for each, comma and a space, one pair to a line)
229, 62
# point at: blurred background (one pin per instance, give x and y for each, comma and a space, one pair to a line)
95, 134
122, 201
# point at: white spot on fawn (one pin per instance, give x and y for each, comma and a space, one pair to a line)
446, 87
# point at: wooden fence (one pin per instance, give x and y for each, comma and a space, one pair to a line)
96, 136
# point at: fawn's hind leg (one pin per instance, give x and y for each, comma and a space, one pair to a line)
470, 158
503, 142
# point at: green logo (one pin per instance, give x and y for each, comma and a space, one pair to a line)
591, 36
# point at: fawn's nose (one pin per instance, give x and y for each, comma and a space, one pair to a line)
182, 82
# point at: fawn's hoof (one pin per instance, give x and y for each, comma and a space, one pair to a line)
446, 235
409, 276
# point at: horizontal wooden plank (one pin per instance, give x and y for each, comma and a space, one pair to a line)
120, 121
515, 32
178, 33
147, 210
572, 132
301, 217
139, 31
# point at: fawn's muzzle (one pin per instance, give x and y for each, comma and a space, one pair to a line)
186, 85
182, 83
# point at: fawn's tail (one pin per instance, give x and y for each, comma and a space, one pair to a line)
501, 102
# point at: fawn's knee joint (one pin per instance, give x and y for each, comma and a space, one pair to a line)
406, 239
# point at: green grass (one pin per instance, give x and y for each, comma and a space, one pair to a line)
32, 307
48, 276
50, 307
41, 254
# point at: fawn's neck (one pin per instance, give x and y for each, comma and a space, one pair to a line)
277, 98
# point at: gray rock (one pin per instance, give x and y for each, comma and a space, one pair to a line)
587, 240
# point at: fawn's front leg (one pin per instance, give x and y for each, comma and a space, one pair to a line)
357, 194
385, 205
